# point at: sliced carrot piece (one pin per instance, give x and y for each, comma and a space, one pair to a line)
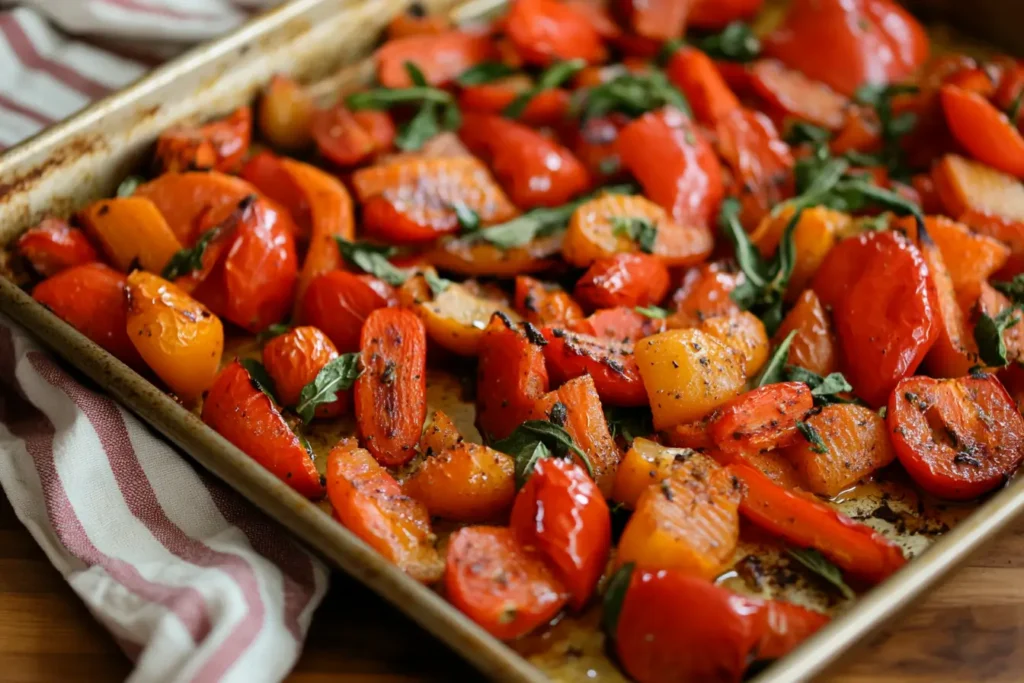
797, 95
689, 522
501, 585
369, 502
543, 305
466, 482
969, 185
983, 130
474, 257
390, 394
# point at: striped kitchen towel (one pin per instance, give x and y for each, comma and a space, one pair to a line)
193, 582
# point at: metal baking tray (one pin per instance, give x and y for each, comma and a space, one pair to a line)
85, 157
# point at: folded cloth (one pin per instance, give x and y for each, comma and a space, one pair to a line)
193, 582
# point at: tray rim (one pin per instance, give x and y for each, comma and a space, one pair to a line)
328, 538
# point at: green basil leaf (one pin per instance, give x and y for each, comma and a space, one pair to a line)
188, 260
988, 334
521, 443
436, 283
633, 95
774, 370
338, 375
373, 259
259, 377
825, 390
469, 220
652, 311
801, 131
747, 255
129, 185
419, 129
1013, 111
641, 230
816, 562
275, 330
667, 50
386, 98
614, 596
526, 460
415, 75
812, 436
737, 42
891, 127
1014, 289
554, 76
484, 72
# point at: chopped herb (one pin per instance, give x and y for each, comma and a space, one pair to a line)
1013, 289
484, 72
883, 412
609, 165
667, 50
275, 330
188, 260
641, 230
988, 334
633, 95
559, 414
614, 596
438, 109
666, 489
469, 220
812, 436
773, 372
373, 259
737, 42
388, 374
652, 311
892, 127
1013, 111
436, 283
875, 223
554, 76
629, 422
816, 562
538, 223
129, 185
338, 375
536, 439
801, 131
259, 377
825, 390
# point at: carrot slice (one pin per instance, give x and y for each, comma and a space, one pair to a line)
798, 96
369, 502
466, 482
390, 394
983, 130
504, 587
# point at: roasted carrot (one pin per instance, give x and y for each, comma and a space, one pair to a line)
390, 394
561, 512
246, 417
369, 502
474, 257
695, 74
983, 130
954, 352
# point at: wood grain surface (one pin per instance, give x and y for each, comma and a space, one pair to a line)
970, 630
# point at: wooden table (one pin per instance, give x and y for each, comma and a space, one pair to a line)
971, 629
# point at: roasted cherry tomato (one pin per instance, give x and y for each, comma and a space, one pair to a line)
219, 145
649, 615
348, 138
53, 246
883, 303
339, 303
957, 438
561, 512
623, 280
294, 359
546, 31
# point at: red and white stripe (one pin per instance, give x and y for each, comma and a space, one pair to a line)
45, 76
195, 584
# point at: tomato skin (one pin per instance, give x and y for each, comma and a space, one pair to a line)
339, 303
348, 138
543, 306
391, 393
806, 522
548, 107
546, 31
658, 640
294, 359
511, 376
695, 74
254, 275
654, 20
977, 445
268, 175
441, 57
561, 512
675, 165
185, 198
761, 419
623, 280
247, 417
621, 323
53, 246
594, 145
705, 293
219, 145
717, 14
846, 43
884, 306
610, 363
532, 169
91, 298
